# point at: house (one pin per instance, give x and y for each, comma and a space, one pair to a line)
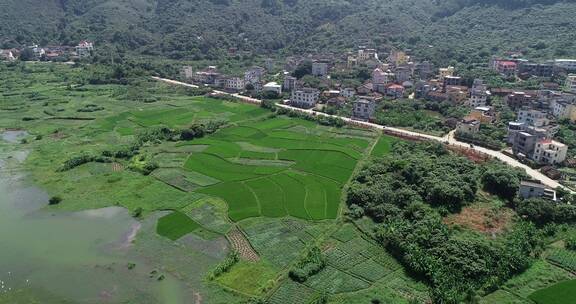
398, 58
289, 83
530, 189
395, 90
235, 83
516, 100
422, 89
272, 87
484, 115
381, 77
365, 89
445, 72
468, 126
478, 94
363, 109
348, 92
187, 72
367, 54
533, 117
331, 93
337, 102
506, 68
564, 110
206, 76
319, 68
254, 75
523, 144
424, 70
527, 69
351, 62
570, 85
304, 98
7, 55
451, 81
457, 94
84, 49
550, 152
437, 96
568, 65
402, 74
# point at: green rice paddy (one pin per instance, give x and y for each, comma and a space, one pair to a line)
561, 293
175, 225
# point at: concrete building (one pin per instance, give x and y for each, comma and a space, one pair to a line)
348, 92
568, 65
235, 83
506, 68
530, 189
424, 70
402, 74
468, 126
319, 68
478, 94
550, 152
289, 83
381, 77
533, 117
7, 55
363, 109
570, 85
485, 115
367, 54
445, 72
187, 72
519, 99
305, 98
451, 81
527, 69
84, 49
524, 143
395, 90
254, 75
563, 109
272, 87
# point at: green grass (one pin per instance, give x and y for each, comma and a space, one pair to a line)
540, 275
561, 293
383, 146
175, 225
248, 278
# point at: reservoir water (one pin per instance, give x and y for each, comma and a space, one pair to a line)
51, 256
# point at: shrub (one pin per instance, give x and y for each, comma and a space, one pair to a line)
310, 265
231, 260
55, 200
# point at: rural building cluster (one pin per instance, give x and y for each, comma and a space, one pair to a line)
59, 53
397, 77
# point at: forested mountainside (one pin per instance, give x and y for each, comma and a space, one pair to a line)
197, 29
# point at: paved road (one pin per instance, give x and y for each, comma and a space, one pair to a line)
449, 138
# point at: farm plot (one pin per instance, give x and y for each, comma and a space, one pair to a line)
265, 168
291, 292
561, 293
175, 225
563, 258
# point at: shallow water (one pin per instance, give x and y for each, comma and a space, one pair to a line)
49, 256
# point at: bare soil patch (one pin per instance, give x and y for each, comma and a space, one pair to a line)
485, 219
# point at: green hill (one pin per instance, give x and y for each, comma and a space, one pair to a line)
204, 29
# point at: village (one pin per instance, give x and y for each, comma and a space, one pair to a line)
530, 137
308, 83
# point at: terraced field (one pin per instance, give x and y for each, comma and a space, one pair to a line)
277, 167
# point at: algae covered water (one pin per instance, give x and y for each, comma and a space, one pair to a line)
49, 256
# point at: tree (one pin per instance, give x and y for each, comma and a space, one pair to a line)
27, 55
501, 180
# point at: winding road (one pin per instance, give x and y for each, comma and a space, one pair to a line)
448, 139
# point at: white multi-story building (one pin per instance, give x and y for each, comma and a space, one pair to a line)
363, 109
304, 98
272, 87
187, 72
571, 83
478, 94
533, 117
367, 54
550, 152
348, 92
235, 83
